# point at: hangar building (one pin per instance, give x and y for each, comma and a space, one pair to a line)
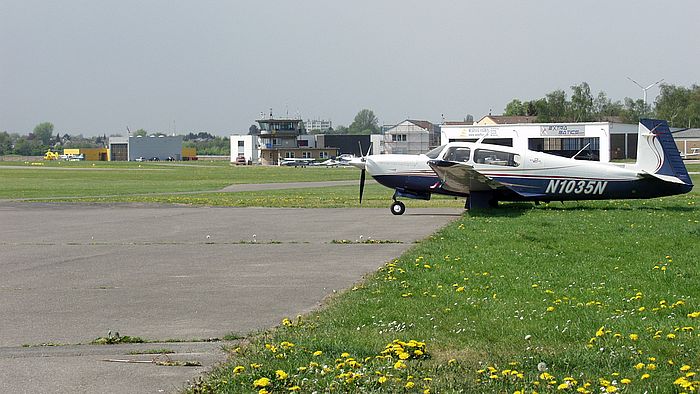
131, 148
601, 141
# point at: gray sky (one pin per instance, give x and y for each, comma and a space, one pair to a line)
94, 67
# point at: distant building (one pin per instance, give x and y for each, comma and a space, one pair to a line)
410, 137
344, 143
505, 119
321, 125
603, 141
279, 139
688, 142
131, 148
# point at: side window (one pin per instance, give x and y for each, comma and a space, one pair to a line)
457, 154
496, 158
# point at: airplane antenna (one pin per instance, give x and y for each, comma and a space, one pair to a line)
582, 149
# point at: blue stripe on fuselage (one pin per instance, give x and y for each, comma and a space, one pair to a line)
586, 189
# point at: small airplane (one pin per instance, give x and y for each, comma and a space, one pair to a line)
295, 162
485, 174
693, 153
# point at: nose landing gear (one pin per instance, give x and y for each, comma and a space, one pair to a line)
398, 208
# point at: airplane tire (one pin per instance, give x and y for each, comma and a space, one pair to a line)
398, 208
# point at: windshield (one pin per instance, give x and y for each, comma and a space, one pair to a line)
433, 154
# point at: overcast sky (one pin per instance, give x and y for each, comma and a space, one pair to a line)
96, 67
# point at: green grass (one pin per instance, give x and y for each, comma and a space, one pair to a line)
70, 179
597, 291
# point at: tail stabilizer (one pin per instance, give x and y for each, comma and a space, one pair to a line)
657, 153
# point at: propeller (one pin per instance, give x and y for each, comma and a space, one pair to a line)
362, 184
362, 173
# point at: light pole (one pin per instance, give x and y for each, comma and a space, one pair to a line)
645, 90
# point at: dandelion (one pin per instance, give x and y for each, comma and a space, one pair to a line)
645, 376
281, 375
294, 388
625, 381
634, 337
542, 367
550, 309
262, 382
345, 355
317, 353
685, 367
409, 385
639, 366
238, 369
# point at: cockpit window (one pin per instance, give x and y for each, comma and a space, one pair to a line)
496, 158
459, 154
433, 154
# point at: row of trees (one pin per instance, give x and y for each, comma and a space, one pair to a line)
677, 104
42, 138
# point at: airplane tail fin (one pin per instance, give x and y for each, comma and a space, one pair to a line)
657, 153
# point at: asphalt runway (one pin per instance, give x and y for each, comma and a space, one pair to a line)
69, 273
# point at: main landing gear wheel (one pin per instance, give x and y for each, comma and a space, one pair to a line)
397, 208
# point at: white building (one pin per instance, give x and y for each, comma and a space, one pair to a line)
247, 146
322, 125
599, 140
409, 137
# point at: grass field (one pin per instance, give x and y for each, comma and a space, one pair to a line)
69, 179
582, 297
588, 297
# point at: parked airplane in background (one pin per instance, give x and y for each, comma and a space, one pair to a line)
485, 174
296, 162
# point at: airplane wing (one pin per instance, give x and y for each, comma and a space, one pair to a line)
461, 178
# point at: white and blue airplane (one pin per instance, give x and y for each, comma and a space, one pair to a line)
485, 174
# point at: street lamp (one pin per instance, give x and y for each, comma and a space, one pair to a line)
645, 89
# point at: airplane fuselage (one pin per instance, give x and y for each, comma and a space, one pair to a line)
538, 177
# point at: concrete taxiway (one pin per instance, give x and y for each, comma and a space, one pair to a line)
69, 273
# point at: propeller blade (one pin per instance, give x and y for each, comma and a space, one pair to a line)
362, 184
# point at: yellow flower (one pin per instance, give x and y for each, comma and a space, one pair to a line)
634, 337
263, 391
262, 382
399, 365
317, 353
281, 375
345, 355
639, 366
550, 309
563, 386
382, 379
600, 332
671, 336
625, 381
460, 289
238, 369
645, 376
651, 367
294, 388
409, 385
685, 367
694, 315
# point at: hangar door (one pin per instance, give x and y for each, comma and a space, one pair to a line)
119, 152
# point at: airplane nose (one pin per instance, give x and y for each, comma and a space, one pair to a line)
357, 162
